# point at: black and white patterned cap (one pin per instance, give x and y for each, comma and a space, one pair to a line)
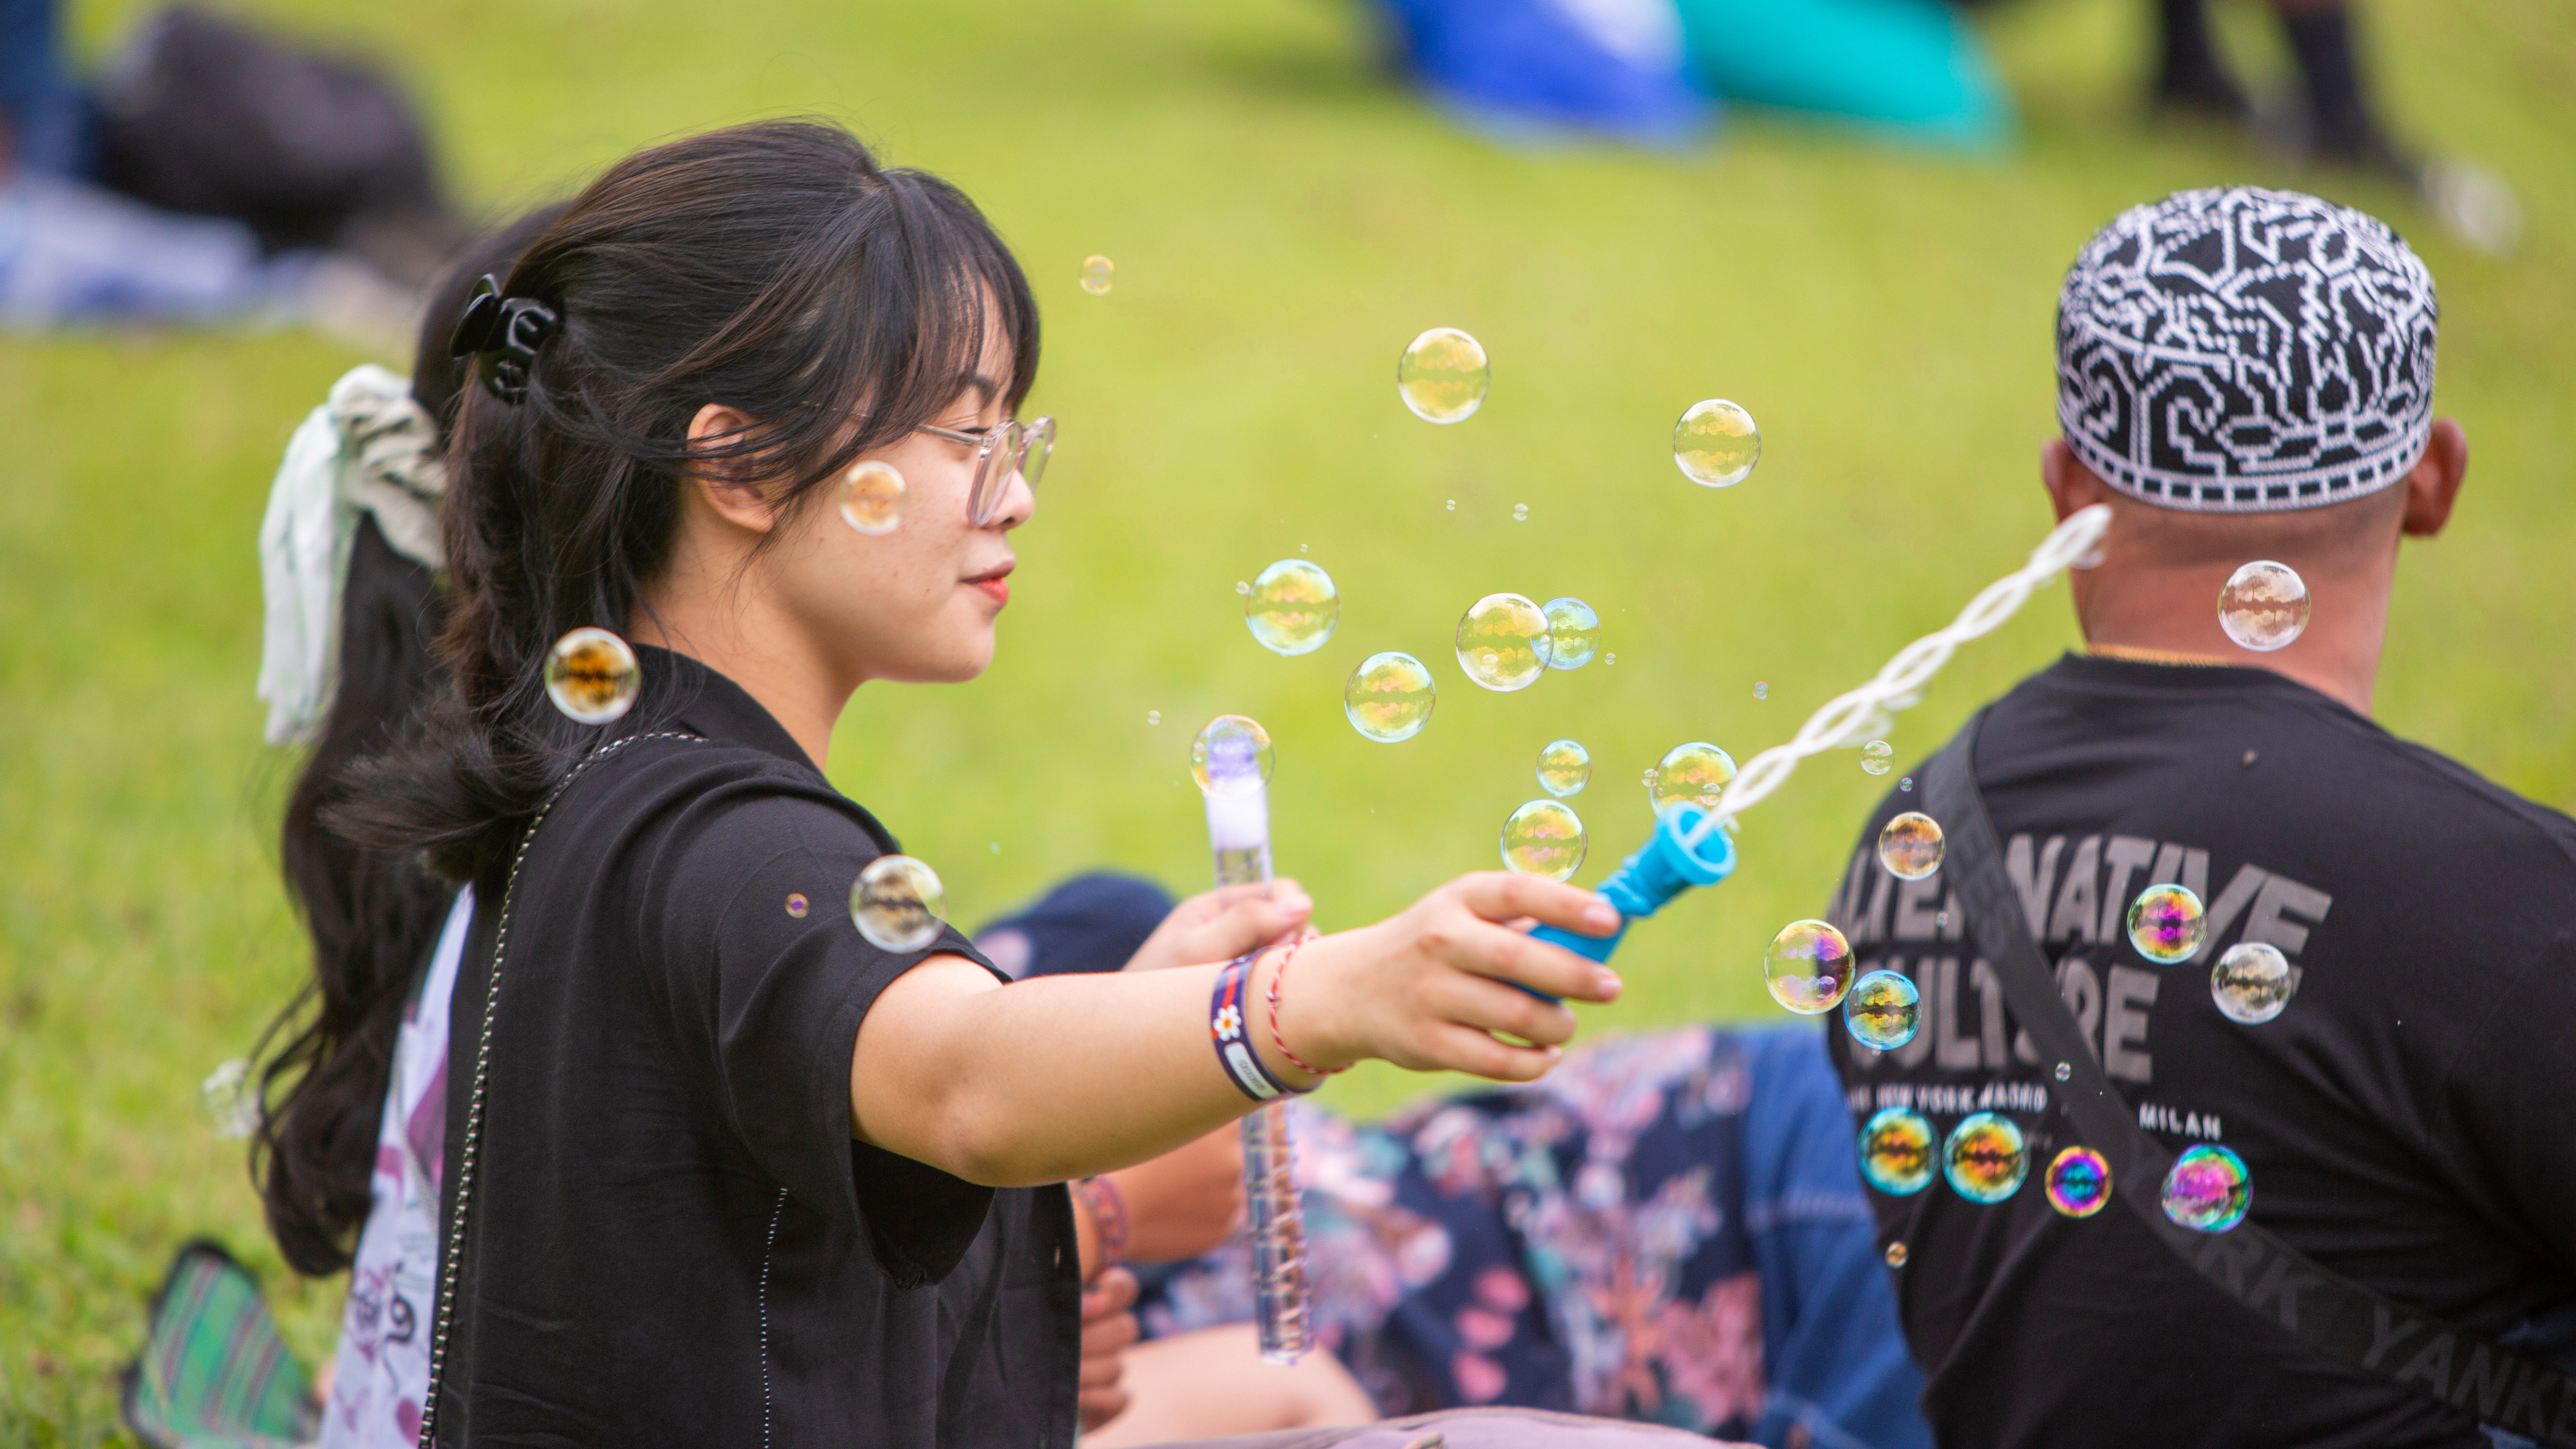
2246, 351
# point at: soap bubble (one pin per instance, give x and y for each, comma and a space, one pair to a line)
1544, 837
2264, 606
1232, 756
1697, 772
898, 903
797, 905
1874, 757
1153, 716
1883, 1011
2078, 1182
2166, 923
1896, 1151
1520, 513
1443, 375
1808, 967
1573, 632
1715, 444
1911, 846
1609, 658
1503, 643
1292, 608
873, 498
1389, 697
592, 676
1564, 767
1761, 690
2252, 982
1242, 586
1985, 1158
231, 1094
1453, 505
1896, 1255
2206, 1190
1096, 271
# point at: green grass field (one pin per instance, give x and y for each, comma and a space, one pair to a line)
1283, 219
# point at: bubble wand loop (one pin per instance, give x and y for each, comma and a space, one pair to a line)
1690, 845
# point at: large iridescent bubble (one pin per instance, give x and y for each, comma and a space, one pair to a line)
2264, 606
1896, 1151
2079, 1182
2166, 923
1544, 837
1883, 1010
592, 676
898, 904
1696, 774
1911, 846
1443, 376
1986, 1157
1389, 697
2253, 982
1715, 444
1573, 633
1292, 608
2206, 1189
1503, 642
1808, 967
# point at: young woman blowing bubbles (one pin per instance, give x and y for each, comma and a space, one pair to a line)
727, 1172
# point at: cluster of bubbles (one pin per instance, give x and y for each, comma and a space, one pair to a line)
2206, 1189
898, 904
1443, 376
592, 676
1715, 444
2264, 606
1911, 846
1808, 967
1544, 837
873, 497
1389, 697
1291, 607
1096, 272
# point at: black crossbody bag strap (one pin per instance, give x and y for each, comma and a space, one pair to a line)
2322, 1309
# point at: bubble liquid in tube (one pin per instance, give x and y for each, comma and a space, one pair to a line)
1233, 764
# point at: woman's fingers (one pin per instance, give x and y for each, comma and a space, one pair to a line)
1489, 1005
1503, 896
1223, 924
1458, 1048
1491, 950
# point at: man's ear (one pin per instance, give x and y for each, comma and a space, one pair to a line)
2071, 485
2434, 484
720, 482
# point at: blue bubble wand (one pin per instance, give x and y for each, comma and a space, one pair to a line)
1692, 846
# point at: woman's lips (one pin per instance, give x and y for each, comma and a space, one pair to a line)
996, 582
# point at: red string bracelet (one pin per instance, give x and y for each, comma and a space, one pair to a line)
1277, 975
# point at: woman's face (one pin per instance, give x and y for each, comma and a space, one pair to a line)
917, 602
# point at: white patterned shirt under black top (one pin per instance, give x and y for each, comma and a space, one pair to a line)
382, 1368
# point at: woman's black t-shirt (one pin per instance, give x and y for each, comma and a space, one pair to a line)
671, 1236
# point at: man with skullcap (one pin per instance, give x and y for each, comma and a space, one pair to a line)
2313, 1180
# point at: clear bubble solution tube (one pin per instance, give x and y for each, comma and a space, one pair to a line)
1238, 817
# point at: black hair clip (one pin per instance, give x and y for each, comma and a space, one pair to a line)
506, 334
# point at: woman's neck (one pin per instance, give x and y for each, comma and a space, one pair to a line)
716, 618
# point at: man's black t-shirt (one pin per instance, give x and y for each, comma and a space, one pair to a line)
2406, 1121
673, 1237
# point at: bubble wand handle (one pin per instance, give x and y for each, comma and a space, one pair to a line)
1691, 846
1239, 837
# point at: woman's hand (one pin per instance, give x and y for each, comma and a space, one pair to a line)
1220, 925
1427, 989
1184, 1202
1108, 1328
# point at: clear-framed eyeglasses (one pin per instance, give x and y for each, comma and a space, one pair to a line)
1013, 447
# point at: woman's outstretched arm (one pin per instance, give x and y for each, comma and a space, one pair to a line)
1064, 1077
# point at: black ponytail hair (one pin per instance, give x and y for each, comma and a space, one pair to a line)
373, 914
774, 268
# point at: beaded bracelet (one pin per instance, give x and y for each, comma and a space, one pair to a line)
1108, 1208
1243, 1066
1277, 975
